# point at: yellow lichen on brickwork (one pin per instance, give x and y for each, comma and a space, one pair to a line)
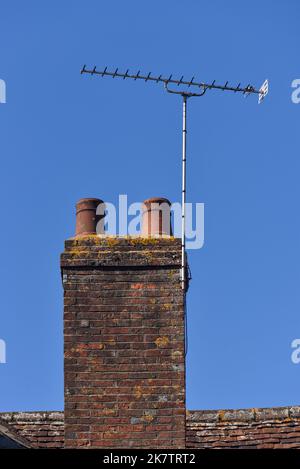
111, 241
111, 342
134, 240
176, 354
148, 254
138, 392
91, 237
108, 411
78, 252
102, 253
86, 346
176, 387
162, 341
147, 418
116, 239
141, 240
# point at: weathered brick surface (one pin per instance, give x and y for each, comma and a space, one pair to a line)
124, 343
274, 428
36, 429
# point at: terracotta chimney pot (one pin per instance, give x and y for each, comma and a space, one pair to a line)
86, 216
156, 217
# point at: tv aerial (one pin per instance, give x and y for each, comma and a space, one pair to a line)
192, 89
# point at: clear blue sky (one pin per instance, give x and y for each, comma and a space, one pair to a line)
66, 136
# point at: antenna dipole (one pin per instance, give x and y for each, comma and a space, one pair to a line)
249, 89
185, 94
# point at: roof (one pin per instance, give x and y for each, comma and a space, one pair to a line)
9, 438
34, 429
245, 428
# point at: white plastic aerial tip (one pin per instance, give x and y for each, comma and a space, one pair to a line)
263, 91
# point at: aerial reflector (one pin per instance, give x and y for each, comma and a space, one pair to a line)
263, 91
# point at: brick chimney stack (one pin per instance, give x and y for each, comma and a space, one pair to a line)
124, 358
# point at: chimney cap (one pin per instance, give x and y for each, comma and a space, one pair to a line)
156, 200
89, 200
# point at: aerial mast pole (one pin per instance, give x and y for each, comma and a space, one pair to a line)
183, 197
185, 95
